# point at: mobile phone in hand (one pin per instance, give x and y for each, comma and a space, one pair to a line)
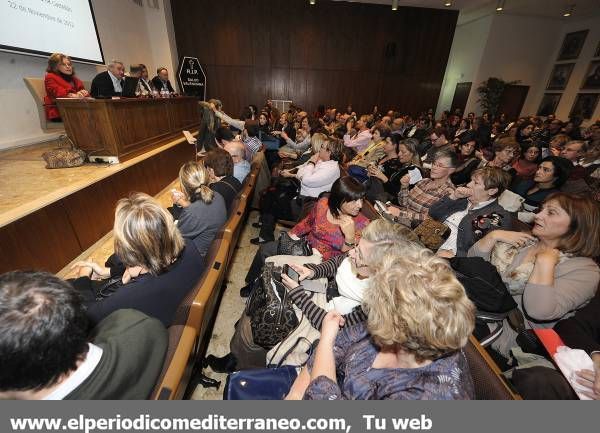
290, 272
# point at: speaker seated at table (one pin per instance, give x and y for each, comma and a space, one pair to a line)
109, 83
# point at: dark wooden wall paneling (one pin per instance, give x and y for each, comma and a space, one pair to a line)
329, 53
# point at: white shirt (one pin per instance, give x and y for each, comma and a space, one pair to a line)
350, 287
454, 220
85, 369
116, 83
317, 178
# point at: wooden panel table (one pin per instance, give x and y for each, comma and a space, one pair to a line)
126, 127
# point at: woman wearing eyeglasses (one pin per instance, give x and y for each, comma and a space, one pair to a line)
415, 203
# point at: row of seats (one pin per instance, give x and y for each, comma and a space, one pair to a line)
192, 329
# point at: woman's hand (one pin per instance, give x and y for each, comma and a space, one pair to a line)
346, 223
591, 379
445, 254
461, 192
131, 273
332, 322
286, 173
284, 135
91, 269
393, 210
288, 282
518, 239
304, 272
372, 170
405, 180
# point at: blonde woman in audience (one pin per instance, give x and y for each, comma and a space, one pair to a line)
203, 210
155, 267
419, 319
550, 272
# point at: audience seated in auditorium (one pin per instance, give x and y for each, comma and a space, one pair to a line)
468, 159
295, 147
331, 227
504, 150
359, 137
109, 83
237, 150
550, 272
204, 211
438, 141
250, 139
396, 354
414, 203
161, 81
527, 164
580, 331
48, 352
472, 211
551, 174
348, 274
220, 169
463, 127
372, 154
285, 201
418, 130
60, 82
384, 178
153, 266
347, 277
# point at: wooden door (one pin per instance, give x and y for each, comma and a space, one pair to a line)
512, 101
461, 95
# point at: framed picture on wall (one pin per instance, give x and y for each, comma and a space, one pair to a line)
592, 76
585, 104
572, 45
549, 103
560, 76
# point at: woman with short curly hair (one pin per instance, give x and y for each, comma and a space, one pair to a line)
419, 319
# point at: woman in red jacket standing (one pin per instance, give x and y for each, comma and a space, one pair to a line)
60, 82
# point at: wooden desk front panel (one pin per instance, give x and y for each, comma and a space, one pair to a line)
127, 127
51, 237
87, 123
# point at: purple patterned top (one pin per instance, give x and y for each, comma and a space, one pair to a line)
447, 378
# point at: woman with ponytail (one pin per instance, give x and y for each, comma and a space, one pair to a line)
204, 210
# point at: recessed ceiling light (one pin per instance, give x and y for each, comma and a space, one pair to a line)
500, 5
569, 11
447, 4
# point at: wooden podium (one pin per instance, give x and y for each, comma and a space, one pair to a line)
126, 127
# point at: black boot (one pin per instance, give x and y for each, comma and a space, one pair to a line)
226, 364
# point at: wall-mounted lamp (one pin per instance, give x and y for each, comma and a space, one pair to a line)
500, 5
447, 4
394, 5
569, 11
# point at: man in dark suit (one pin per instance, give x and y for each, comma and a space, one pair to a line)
161, 81
110, 83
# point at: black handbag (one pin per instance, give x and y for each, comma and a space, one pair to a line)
291, 247
483, 284
271, 312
